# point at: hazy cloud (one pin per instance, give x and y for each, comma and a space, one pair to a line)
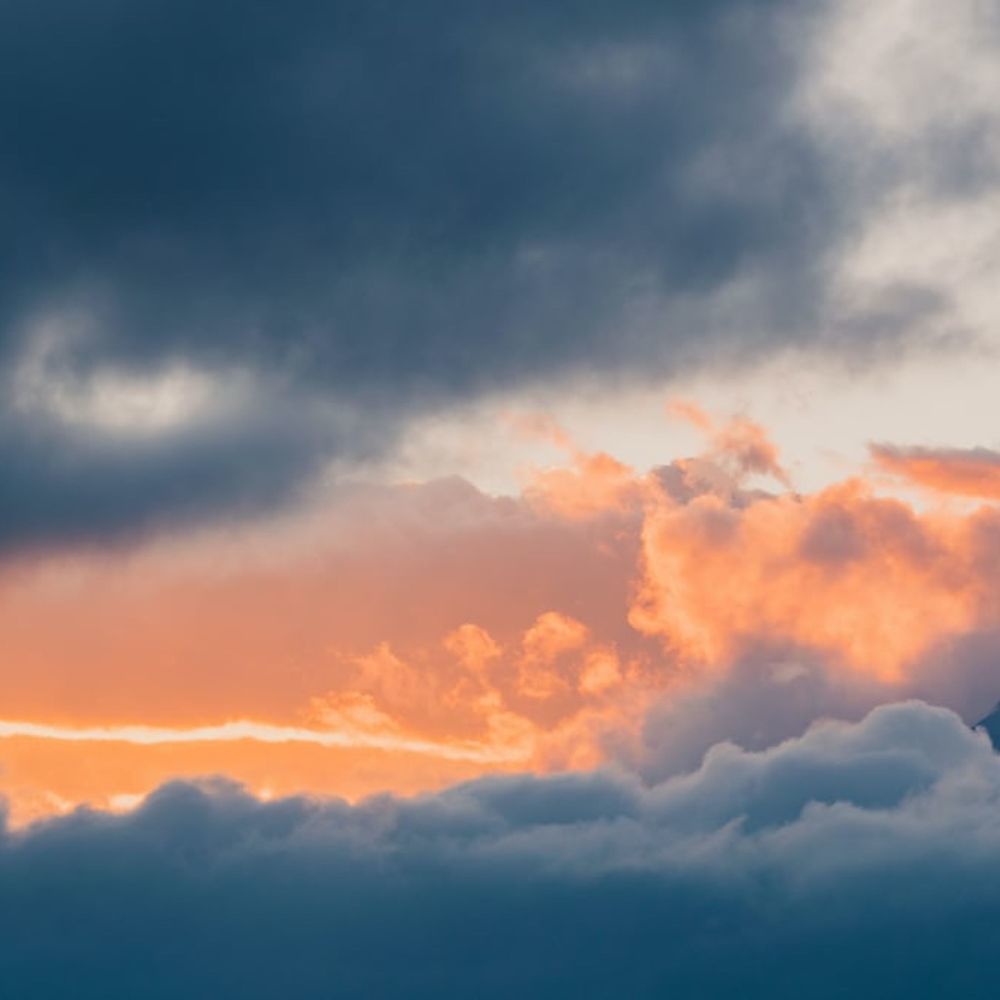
969, 472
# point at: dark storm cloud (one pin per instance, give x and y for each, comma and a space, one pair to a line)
861, 860
400, 205
434, 195
70, 486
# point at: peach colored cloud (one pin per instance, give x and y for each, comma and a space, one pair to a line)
973, 472
861, 578
232, 626
589, 484
429, 632
737, 445
45, 776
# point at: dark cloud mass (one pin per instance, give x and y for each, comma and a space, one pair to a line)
393, 204
860, 860
445, 192
67, 485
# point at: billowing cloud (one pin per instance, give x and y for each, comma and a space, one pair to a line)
861, 859
860, 577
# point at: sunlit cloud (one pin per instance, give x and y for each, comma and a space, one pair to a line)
972, 472
551, 627
238, 730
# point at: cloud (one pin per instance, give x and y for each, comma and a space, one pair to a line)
391, 198
391, 210
238, 730
968, 472
900, 95
861, 859
257, 622
72, 484
859, 577
364, 215
636, 618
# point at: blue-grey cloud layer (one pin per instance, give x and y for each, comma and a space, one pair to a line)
447, 193
860, 860
390, 205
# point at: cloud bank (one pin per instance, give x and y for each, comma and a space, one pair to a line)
860, 859
391, 198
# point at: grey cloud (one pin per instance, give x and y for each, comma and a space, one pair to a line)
961, 672
771, 693
447, 194
70, 487
774, 691
399, 207
859, 860
62, 485
396, 206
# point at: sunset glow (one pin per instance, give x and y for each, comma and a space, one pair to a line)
692, 570
499, 500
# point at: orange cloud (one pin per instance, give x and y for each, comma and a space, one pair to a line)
551, 636
472, 698
42, 776
971, 472
862, 578
430, 632
692, 413
739, 445
358, 616
593, 483
473, 646
247, 625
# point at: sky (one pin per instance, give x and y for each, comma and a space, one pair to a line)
499, 498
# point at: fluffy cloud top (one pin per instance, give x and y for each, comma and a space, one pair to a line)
861, 859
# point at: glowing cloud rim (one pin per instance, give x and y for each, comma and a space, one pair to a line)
260, 732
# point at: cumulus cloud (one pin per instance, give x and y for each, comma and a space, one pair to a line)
860, 859
858, 576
